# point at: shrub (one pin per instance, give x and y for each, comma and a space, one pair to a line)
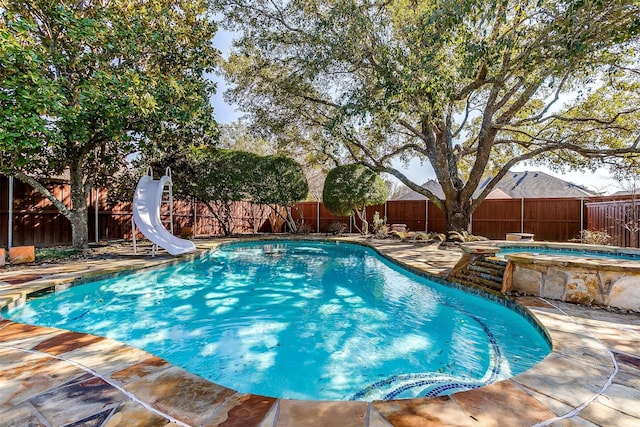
402, 235
422, 236
336, 228
380, 229
349, 189
595, 237
303, 228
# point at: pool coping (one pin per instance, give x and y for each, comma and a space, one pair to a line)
151, 389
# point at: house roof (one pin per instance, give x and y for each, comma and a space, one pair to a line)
623, 193
497, 193
527, 184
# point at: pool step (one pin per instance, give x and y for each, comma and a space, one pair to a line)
492, 272
483, 272
478, 280
499, 262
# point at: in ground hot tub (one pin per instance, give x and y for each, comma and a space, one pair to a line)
578, 273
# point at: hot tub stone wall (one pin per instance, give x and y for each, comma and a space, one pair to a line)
616, 284
625, 293
527, 279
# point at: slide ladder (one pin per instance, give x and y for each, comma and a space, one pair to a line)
147, 202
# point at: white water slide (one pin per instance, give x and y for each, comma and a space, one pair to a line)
146, 215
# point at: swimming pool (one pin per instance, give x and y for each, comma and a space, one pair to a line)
303, 320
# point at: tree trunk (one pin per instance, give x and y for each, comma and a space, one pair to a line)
291, 221
458, 215
228, 226
363, 218
223, 220
284, 218
79, 213
79, 224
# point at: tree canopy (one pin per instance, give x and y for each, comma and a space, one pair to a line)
470, 87
215, 177
85, 83
219, 177
281, 183
350, 189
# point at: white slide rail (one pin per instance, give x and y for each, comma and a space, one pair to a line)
146, 216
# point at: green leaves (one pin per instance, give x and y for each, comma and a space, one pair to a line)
84, 84
219, 177
212, 174
107, 72
473, 87
29, 101
351, 188
280, 181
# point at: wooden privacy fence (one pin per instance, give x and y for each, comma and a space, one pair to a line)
35, 221
619, 218
548, 219
115, 222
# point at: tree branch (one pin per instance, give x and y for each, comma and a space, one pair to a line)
592, 119
464, 119
64, 210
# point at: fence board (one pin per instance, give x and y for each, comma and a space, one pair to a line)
408, 212
619, 218
496, 217
553, 219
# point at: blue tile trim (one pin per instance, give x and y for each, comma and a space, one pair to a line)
437, 384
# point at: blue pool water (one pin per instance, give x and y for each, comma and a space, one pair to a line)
303, 320
567, 252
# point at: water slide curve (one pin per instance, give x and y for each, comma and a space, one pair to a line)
146, 215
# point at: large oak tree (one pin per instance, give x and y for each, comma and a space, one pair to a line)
470, 87
84, 83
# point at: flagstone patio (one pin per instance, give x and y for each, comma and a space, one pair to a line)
52, 377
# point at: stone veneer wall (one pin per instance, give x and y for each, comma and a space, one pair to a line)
608, 282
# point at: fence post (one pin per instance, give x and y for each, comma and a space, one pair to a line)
581, 219
10, 222
97, 231
195, 217
426, 216
522, 215
133, 234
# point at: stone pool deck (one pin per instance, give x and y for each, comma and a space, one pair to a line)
52, 377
